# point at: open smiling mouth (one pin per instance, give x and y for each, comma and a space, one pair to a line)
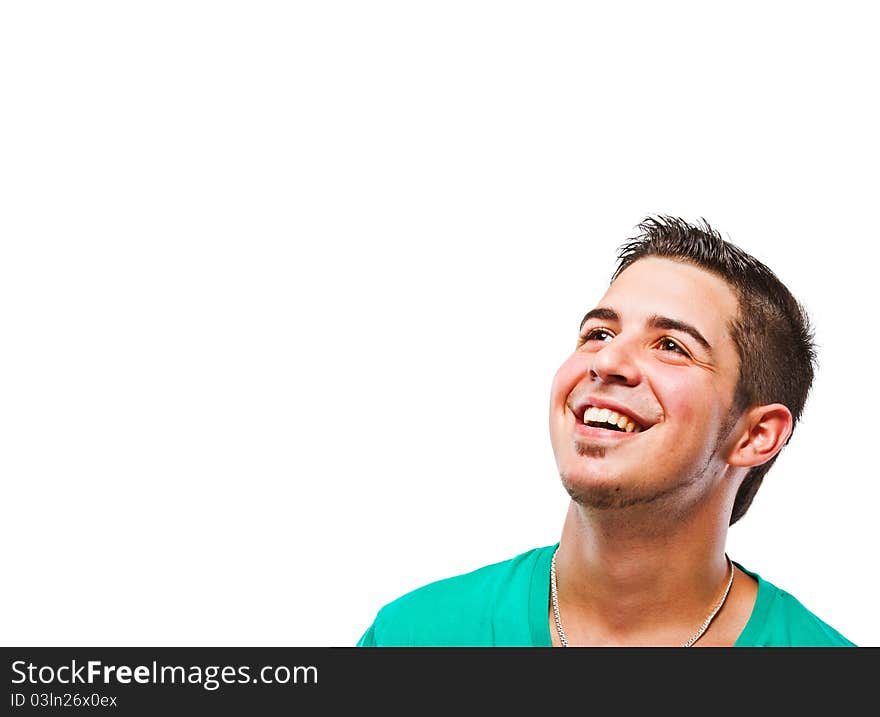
608, 420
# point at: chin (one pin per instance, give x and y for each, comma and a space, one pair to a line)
597, 491
607, 491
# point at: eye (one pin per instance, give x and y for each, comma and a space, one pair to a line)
667, 344
597, 335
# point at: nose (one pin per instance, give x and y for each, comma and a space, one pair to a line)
616, 362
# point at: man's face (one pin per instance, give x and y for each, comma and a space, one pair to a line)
657, 348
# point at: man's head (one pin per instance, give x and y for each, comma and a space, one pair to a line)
706, 349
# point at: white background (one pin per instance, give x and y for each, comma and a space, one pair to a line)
283, 287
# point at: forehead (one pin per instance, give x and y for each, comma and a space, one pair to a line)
681, 291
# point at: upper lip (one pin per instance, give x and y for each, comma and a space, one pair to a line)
581, 407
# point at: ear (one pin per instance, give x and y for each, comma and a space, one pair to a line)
761, 433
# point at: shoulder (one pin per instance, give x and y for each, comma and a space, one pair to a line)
463, 609
779, 619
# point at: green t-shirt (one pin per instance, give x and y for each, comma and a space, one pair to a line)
505, 605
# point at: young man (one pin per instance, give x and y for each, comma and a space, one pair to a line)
686, 381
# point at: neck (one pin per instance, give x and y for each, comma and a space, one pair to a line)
623, 583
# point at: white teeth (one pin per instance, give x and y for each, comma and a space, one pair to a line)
605, 415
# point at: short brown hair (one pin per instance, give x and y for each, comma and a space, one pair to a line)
772, 331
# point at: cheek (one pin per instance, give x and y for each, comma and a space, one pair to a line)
567, 376
688, 401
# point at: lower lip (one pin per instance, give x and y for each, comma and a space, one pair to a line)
590, 432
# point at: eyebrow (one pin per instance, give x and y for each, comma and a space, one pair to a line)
654, 321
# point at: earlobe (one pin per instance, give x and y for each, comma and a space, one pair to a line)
764, 431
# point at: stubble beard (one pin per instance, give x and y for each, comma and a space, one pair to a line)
611, 495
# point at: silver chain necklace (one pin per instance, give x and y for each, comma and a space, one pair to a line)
696, 636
